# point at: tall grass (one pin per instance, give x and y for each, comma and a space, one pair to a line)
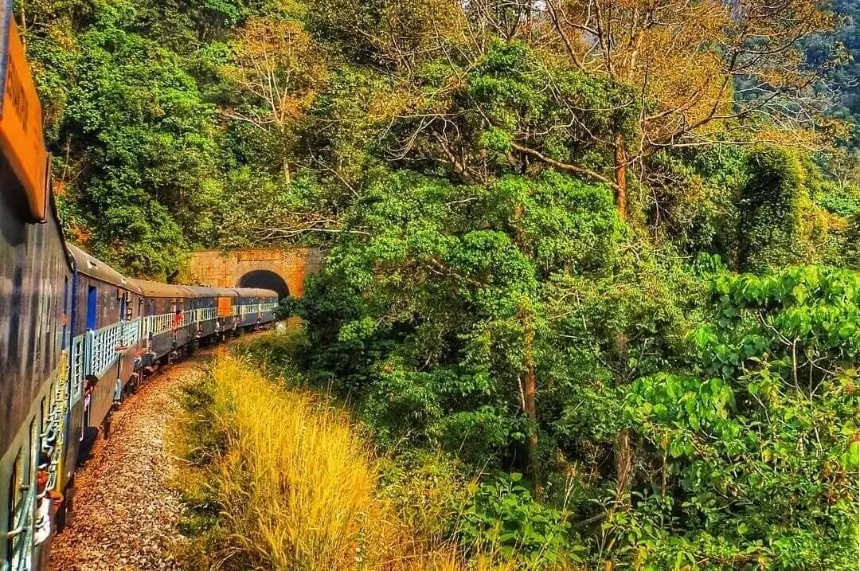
295, 486
295, 483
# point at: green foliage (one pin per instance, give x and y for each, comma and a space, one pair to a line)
695, 200
501, 108
461, 171
135, 100
769, 208
134, 137
502, 518
754, 446
146, 126
742, 412
427, 488
278, 353
423, 319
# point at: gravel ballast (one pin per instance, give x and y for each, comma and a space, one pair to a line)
126, 514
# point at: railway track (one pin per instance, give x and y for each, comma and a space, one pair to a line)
126, 515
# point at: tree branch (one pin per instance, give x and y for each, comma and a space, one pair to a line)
564, 166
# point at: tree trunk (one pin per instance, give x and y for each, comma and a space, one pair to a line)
287, 176
529, 388
623, 449
22, 8
529, 400
623, 465
621, 178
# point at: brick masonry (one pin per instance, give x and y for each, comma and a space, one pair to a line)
218, 268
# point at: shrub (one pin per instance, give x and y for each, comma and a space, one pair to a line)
502, 518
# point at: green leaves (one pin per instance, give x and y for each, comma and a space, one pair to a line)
501, 517
851, 459
135, 137
766, 446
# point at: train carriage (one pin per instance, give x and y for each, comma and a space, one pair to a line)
185, 329
256, 307
214, 308
169, 322
106, 331
35, 285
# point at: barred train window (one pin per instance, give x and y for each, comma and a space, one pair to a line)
35, 446
63, 341
16, 481
46, 412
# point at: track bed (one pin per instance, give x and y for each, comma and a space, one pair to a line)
126, 515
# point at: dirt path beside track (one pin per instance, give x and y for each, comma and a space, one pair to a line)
126, 515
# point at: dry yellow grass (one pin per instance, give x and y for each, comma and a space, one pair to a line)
296, 484
298, 487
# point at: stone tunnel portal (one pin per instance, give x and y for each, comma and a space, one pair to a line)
266, 280
283, 270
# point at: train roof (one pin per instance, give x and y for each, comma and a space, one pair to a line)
91, 266
255, 292
204, 291
159, 290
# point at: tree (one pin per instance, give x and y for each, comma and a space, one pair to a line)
277, 70
135, 141
507, 112
685, 59
442, 294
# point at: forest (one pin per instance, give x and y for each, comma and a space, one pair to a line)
602, 253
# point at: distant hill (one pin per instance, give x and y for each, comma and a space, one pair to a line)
845, 75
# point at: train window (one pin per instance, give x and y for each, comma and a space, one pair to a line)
35, 438
122, 306
11, 492
41, 428
16, 484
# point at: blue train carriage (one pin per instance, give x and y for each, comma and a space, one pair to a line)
35, 300
214, 312
169, 322
106, 338
256, 307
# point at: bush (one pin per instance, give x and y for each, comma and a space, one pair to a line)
502, 518
278, 352
428, 490
750, 458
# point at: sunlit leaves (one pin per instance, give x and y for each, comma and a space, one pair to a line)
774, 430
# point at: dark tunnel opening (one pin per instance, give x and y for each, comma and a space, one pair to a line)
266, 280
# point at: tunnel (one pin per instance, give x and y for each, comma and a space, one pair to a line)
266, 280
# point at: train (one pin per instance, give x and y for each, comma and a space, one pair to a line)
76, 336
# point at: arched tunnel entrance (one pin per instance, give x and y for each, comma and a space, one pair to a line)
265, 279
